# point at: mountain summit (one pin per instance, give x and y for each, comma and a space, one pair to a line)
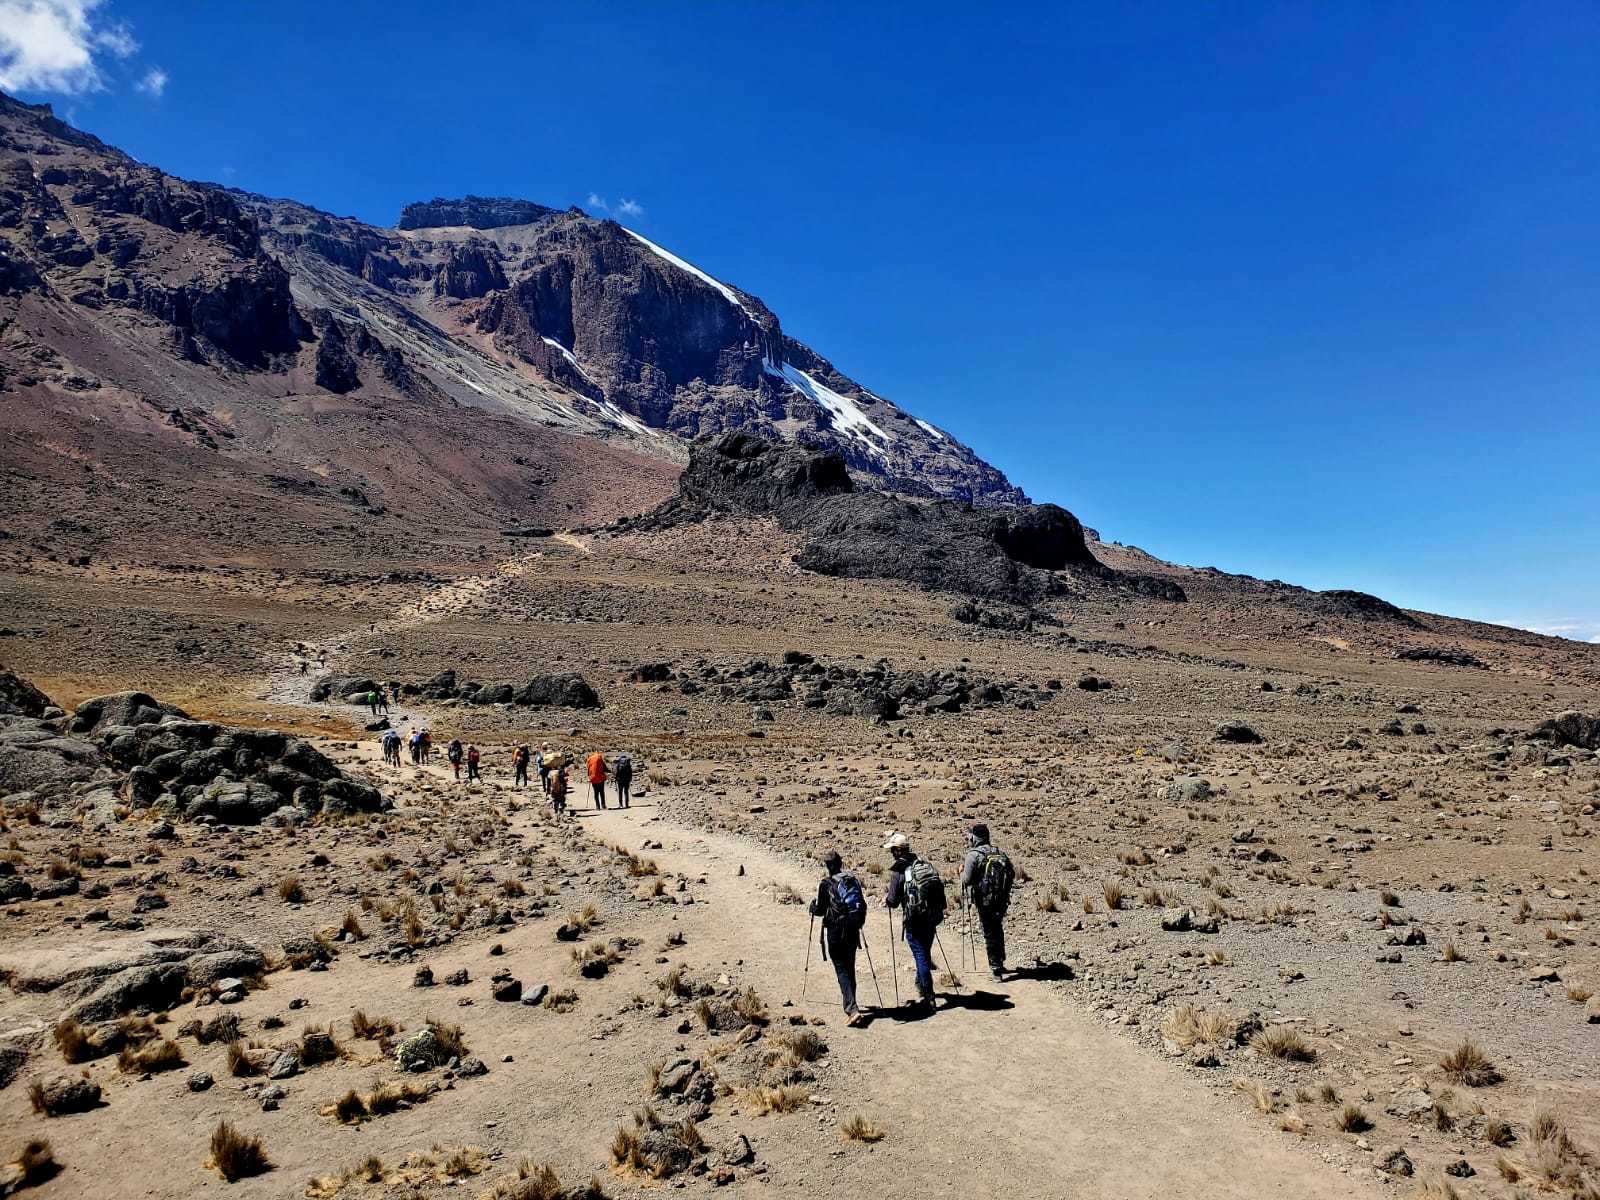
237, 312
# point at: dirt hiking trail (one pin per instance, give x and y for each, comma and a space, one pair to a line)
1014, 1091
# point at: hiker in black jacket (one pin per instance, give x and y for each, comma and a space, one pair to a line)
842, 905
986, 879
916, 889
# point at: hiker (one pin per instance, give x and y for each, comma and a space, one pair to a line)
453, 756
542, 761
622, 772
372, 703
558, 791
394, 692
304, 665
415, 742
842, 905
598, 771
472, 763
519, 763
425, 747
391, 747
382, 703
916, 889
986, 879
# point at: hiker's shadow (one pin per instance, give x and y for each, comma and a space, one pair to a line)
1046, 972
908, 1014
977, 1000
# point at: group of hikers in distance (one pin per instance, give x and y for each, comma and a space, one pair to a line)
917, 891
551, 766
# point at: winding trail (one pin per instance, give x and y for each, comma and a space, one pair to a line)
1010, 1088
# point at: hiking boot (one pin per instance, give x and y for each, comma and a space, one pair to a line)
853, 1020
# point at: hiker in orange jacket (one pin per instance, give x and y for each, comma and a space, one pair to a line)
598, 773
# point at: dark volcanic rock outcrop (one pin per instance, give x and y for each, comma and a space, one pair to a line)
1007, 554
1571, 728
129, 750
475, 212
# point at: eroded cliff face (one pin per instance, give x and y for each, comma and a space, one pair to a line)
644, 339
483, 304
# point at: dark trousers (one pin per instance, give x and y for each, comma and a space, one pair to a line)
522, 776
994, 938
599, 790
624, 792
920, 939
544, 781
840, 946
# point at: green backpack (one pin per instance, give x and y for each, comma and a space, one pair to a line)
924, 894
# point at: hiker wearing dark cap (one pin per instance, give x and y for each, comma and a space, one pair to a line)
842, 905
916, 889
986, 879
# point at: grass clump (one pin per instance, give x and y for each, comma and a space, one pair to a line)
1189, 1026
858, 1128
236, 1155
1352, 1119
1283, 1043
162, 1055
1469, 1066
290, 891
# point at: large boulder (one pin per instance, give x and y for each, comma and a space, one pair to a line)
34, 757
147, 989
19, 698
1571, 728
570, 690
122, 708
234, 802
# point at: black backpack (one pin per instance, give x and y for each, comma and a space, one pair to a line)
924, 894
991, 888
847, 903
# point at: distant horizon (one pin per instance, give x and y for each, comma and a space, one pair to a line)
1300, 294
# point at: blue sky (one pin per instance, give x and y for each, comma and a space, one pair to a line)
1305, 291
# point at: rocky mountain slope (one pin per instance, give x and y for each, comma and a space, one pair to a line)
191, 365
637, 338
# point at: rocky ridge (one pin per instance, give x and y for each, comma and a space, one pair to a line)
1017, 555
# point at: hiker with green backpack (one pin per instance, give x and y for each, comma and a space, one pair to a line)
986, 880
916, 889
842, 905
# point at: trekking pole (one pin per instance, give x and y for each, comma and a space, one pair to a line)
805, 976
894, 967
871, 968
938, 941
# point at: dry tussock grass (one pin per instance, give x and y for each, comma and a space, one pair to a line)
236, 1155
1190, 1026
763, 1101
859, 1128
1469, 1066
1283, 1043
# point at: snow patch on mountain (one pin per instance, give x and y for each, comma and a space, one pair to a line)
728, 293
845, 415
568, 355
929, 429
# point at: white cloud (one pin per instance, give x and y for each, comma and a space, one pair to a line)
1578, 629
50, 45
153, 82
631, 209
